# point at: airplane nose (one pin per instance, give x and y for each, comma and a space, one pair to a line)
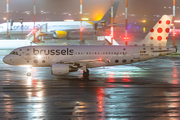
5, 59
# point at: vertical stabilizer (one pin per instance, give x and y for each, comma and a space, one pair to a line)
159, 33
107, 16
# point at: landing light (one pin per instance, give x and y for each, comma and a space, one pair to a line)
39, 56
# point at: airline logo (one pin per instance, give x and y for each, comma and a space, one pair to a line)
25, 27
66, 51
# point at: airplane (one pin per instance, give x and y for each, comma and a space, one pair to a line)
61, 29
12, 44
65, 59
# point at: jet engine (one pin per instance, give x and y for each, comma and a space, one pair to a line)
61, 69
60, 34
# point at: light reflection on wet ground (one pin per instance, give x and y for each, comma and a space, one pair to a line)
147, 90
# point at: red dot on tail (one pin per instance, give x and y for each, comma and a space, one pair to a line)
152, 30
160, 22
166, 38
168, 22
159, 30
159, 38
151, 38
167, 30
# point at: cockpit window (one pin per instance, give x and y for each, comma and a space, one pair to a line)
14, 53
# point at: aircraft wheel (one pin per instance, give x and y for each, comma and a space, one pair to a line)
28, 74
86, 74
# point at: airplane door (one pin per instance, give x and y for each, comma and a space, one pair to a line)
27, 54
136, 53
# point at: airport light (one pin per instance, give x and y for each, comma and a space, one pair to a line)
34, 31
144, 21
112, 22
34, 20
126, 21
174, 22
80, 20
7, 18
126, 38
85, 18
69, 20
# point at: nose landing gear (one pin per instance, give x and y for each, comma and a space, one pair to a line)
28, 74
29, 71
86, 74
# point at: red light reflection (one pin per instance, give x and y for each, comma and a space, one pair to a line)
126, 80
100, 99
111, 79
175, 75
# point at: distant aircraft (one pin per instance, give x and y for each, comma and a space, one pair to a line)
65, 59
61, 29
13, 44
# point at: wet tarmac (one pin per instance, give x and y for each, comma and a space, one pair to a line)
148, 90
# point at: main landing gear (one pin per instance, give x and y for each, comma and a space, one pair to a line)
86, 74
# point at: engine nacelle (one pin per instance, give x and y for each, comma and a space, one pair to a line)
60, 34
60, 69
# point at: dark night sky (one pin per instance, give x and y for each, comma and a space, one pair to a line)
138, 7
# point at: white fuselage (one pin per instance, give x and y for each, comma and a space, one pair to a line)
92, 56
51, 26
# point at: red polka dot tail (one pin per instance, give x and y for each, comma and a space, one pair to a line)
158, 35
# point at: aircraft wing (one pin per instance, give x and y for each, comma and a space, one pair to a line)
161, 50
117, 24
72, 30
80, 63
